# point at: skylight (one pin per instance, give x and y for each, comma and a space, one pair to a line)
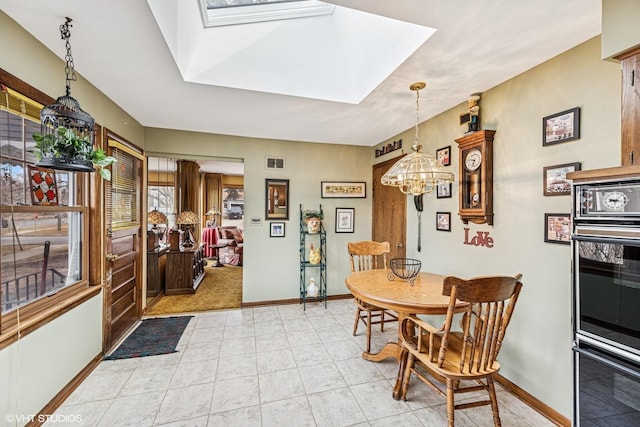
339, 56
233, 12
218, 4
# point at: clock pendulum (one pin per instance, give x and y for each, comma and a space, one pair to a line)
472, 163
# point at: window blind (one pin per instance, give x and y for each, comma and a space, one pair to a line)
18, 104
125, 189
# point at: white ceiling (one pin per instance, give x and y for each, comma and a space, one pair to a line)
118, 46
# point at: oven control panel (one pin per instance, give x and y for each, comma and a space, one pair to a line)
609, 200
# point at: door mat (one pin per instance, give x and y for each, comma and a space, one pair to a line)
159, 335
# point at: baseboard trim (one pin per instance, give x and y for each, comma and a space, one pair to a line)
544, 409
59, 398
291, 301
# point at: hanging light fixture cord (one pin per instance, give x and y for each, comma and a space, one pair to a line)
416, 173
416, 138
69, 69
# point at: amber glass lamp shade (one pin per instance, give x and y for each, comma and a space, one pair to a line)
156, 217
188, 218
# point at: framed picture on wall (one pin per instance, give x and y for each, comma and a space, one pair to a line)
444, 155
344, 220
561, 127
277, 199
554, 179
557, 228
443, 190
343, 189
443, 221
276, 229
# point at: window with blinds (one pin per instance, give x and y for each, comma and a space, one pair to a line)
125, 195
41, 245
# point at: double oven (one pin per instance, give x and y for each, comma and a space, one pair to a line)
606, 302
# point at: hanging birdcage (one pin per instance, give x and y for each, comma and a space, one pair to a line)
66, 138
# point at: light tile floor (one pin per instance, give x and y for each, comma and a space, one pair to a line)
269, 366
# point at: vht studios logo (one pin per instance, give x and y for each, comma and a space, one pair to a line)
480, 239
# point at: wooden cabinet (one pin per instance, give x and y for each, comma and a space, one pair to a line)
184, 270
630, 107
156, 262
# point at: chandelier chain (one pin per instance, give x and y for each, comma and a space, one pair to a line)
416, 138
69, 69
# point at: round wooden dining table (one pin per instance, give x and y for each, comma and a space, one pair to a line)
382, 289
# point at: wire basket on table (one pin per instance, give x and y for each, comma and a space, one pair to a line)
405, 268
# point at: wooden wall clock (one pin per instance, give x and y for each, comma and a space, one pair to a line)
476, 177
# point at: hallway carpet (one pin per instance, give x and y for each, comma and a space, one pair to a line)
221, 288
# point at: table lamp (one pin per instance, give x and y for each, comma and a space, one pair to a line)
212, 212
154, 218
188, 218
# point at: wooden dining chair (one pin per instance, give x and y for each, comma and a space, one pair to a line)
368, 255
466, 353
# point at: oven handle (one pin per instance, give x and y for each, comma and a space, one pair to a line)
606, 361
615, 240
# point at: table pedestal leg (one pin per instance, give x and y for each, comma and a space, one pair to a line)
218, 263
390, 349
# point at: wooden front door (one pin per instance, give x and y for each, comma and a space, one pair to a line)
123, 212
389, 212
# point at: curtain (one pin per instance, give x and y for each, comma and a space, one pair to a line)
212, 194
188, 189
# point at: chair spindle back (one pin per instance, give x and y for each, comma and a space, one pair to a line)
368, 255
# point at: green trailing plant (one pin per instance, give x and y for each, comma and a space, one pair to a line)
65, 143
312, 214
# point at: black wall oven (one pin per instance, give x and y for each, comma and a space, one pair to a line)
606, 295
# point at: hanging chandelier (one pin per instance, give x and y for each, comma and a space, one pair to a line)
66, 138
417, 173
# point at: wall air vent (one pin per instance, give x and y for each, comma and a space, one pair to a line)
275, 163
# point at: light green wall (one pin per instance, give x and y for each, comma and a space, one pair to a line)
271, 267
42, 363
537, 353
620, 29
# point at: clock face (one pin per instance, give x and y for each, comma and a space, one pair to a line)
615, 200
473, 160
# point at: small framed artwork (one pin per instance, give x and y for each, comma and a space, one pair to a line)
561, 127
344, 190
443, 221
557, 228
277, 199
554, 179
444, 156
344, 220
44, 189
443, 190
276, 229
